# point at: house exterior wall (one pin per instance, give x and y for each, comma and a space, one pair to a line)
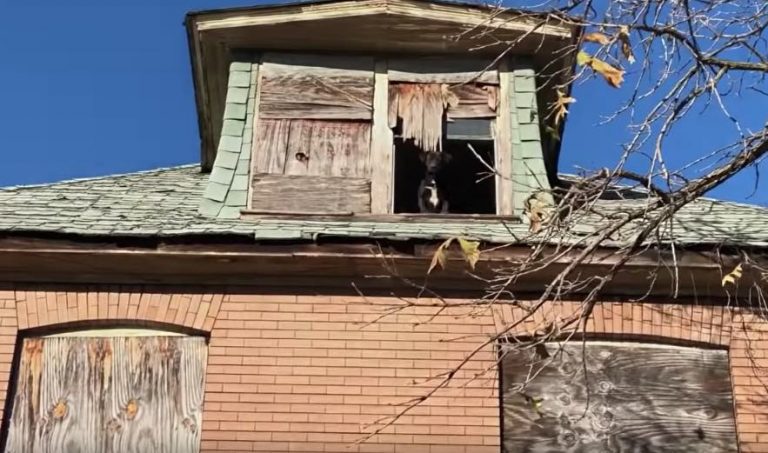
299, 372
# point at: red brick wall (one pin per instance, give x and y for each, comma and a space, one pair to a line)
313, 373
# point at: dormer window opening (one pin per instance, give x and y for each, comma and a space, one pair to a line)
444, 143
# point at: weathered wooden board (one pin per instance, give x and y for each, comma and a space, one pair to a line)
111, 394
420, 107
382, 145
329, 148
475, 101
442, 70
313, 147
270, 144
316, 87
310, 193
635, 398
503, 152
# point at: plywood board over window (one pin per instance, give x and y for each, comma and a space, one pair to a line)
313, 130
633, 398
109, 394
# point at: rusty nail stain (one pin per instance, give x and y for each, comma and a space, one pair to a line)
60, 409
131, 409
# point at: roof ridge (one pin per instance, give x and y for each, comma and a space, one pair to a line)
102, 177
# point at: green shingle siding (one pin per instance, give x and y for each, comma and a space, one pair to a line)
227, 189
529, 174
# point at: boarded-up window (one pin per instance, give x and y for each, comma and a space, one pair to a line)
109, 394
634, 398
313, 134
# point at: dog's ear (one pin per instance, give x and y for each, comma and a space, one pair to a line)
447, 158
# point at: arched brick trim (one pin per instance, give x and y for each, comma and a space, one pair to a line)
61, 306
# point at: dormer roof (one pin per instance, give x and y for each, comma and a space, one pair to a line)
362, 26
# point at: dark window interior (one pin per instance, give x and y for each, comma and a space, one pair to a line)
464, 180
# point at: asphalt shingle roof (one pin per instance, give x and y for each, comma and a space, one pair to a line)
164, 203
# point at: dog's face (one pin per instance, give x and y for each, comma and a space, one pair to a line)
434, 161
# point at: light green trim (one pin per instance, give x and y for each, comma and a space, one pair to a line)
226, 192
529, 173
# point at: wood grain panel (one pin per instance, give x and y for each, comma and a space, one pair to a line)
308, 193
316, 87
475, 101
382, 144
634, 398
270, 144
109, 394
442, 70
313, 147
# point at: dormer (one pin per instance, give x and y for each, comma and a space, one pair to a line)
345, 108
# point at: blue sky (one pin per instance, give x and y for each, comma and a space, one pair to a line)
91, 87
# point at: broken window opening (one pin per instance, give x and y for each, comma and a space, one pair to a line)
436, 171
463, 180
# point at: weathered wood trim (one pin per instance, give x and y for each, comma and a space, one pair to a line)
115, 332
275, 212
316, 86
332, 264
446, 218
382, 145
442, 70
254, 150
503, 151
489, 17
310, 192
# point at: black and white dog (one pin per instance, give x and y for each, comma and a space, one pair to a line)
431, 198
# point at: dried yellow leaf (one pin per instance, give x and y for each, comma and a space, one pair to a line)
471, 251
439, 257
733, 276
598, 38
537, 209
561, 106
583, 58
612, 75
626, 45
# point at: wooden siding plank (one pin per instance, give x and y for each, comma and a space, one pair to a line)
339, 148
309, 193
442, 70
256, 74
270, 144
382, 143
316, 87
109, 394
634, 397
475, 101
310, 147
503, 151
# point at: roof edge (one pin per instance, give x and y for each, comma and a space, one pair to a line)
102, 177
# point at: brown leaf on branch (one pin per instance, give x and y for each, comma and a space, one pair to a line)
626, 45
439, 257
598, 38
469, 248
612, 75
561, 106
471, 251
